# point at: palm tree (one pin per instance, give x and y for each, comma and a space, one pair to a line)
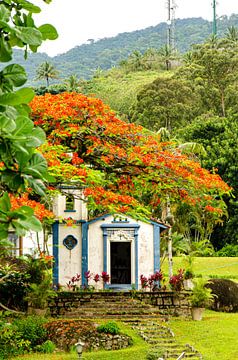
46, 71
72, 83
167, 55
232, 35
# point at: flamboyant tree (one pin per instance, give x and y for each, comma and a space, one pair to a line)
121, 167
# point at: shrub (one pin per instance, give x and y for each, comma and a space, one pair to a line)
176, 281
228, 250
201, 295
32, 329
13, 290
11, 342
65, 333
109, 328
226, 295
48, 347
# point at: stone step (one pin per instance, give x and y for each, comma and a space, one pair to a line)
121, 317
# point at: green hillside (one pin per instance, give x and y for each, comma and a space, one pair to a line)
105, 53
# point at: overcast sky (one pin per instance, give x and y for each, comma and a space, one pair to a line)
77, 20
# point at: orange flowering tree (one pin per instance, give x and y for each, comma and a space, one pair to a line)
122, 167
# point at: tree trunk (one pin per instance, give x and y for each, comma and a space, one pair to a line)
223, 103
170, 255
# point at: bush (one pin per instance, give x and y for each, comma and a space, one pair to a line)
109, 328
226, 295
65, 333
11, 342
228, 251
32, 329
13, 290
48, 347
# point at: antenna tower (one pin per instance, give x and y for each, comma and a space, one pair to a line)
214, 23
171, 7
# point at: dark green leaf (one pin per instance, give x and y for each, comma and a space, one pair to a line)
14, 181
22, 96
29, 6
48, 32
36, 185
24, 127
5, 51
36, 138
37, 166
32, 223
29, 35
5, 204
16, 74
3, 231
7, 124
4, 13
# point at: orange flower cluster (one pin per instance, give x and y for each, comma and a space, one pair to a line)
39, 209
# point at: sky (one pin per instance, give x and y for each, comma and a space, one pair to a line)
77, 21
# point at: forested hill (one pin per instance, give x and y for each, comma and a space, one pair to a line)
83, 60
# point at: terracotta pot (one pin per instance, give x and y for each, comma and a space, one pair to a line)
197, 313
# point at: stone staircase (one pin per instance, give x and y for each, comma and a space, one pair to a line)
108, 306
160, 335
144, 318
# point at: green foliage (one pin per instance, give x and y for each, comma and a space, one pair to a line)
13, 289
48, 347
166, 102
11, 341
32, 330
52, 89
201, 296
106, 53
39, 294
109, 327
228, 251
219, 138
46, 71
118, 89
21, 166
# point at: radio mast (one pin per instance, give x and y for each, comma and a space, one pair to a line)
171, 7
214, 23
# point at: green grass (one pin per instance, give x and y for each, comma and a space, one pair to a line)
225, 267
215, 336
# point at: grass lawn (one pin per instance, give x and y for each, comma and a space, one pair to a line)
215, 336
225, 267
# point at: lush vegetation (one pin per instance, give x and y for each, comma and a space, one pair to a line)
85, 59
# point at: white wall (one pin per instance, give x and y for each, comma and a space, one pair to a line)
69, 261
145, 248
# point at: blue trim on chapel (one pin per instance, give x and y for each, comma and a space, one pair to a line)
55, 228
156, 242
121, 225
84, 251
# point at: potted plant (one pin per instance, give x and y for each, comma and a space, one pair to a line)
200, 297
188, 273
39, 294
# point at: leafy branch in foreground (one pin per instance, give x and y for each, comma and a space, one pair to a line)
21, 166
